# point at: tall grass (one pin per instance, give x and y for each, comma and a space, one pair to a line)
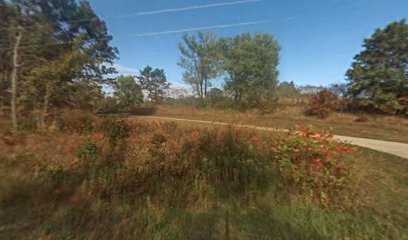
151, 180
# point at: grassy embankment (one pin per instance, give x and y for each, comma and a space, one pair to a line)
147, 180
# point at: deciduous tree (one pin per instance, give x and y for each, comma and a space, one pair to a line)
251, 65
128, 91
200, 60
39, 35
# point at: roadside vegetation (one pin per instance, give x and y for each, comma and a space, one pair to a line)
114, 178
73, 166
382, 127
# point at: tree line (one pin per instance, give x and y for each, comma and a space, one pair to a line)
151, 85
246, 68
57, 54
54, 54
247, 65
377, 81
378, 77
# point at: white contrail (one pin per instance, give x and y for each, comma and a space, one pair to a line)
189, 8
201, 28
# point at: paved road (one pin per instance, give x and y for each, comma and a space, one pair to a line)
394, 148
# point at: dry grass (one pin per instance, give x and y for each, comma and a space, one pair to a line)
46, 194
377, 127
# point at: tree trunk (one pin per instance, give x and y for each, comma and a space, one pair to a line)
3, 94
14, 81
201, 88
205, 87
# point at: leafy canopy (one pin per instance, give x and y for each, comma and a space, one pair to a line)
251, 65
378, 77
200, 60
128, 91
154, 82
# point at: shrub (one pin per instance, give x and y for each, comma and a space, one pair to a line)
231, 162
222, 157
115, 130
267, 104
362, 119
76, 120
27, 123
168, 127
88, 152
142, 110
158, 139
379, 104
403, 101
323, 103
108, 105
310, 160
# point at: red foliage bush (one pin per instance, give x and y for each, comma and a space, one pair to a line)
306, 160
323, 103
311, 161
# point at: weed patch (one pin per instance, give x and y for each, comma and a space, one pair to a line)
159, 180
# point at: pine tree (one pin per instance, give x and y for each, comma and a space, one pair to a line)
378, 77
154, 82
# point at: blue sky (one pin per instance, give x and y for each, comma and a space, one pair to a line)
319, 38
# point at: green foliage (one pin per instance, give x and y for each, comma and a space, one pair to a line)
217, 99
200, 57
88, 152
48, 83
250, 63
340, 89
154, 82
224, 160
323, 103
115, 130
286, 90
128, 91
70, 58
108, 105
378, 77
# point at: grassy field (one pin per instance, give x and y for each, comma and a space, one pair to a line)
111, 179
377, 127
